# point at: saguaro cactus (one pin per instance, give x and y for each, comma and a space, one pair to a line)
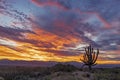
90, 56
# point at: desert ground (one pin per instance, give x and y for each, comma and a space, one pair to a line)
58, 72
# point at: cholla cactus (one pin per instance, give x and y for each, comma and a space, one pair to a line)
90, 57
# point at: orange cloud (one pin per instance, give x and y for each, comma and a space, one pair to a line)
48, 3
30, 52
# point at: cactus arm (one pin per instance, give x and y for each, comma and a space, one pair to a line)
85, 59
86, 52
93, 56
96, 55
94, 64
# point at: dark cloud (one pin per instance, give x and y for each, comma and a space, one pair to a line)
62, 52
13, 33
106, 8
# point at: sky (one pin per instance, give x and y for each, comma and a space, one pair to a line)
58, 30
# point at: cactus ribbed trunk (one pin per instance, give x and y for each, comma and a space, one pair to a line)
90, 68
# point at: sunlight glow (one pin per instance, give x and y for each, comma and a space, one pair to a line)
8, 42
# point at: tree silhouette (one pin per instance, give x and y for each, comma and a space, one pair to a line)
90, 56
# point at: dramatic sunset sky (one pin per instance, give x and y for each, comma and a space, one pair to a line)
58, 30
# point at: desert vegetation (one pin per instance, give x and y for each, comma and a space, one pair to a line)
58, 72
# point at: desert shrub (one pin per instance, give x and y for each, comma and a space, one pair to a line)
87, 75
106, 76
65, 68
1, 78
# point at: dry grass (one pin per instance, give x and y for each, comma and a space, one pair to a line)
23, 73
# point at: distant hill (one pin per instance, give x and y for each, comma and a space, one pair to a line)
27, 63
49, 64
